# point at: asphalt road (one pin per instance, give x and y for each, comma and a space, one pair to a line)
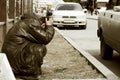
87, 39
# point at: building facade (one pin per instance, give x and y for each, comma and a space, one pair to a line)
10, 12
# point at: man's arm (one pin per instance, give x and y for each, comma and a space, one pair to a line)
45, 35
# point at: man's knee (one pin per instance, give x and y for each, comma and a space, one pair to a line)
37, 49
40, 49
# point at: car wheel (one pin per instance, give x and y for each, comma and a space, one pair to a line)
55, 25
106, 50
82, 27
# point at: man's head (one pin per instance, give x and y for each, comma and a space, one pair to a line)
33, 16
29, 16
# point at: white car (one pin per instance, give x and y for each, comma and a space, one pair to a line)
69, 14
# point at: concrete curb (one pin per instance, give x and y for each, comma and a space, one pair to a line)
109, 75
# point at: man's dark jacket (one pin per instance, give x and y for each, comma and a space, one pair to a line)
25, 45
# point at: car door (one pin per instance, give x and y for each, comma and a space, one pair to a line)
111, 30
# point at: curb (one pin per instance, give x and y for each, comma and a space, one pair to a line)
109, 75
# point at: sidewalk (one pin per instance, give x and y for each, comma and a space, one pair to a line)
89, 16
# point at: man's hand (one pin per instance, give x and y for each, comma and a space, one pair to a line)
49, 22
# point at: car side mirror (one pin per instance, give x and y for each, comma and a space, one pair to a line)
52, 9
116, 8
85, 10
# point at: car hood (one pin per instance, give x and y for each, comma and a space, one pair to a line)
70, 13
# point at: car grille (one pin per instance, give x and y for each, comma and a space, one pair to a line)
69, 17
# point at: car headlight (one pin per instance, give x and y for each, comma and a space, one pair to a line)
56, 16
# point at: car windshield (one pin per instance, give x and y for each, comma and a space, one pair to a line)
68, 7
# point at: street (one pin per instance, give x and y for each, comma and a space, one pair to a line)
87, 39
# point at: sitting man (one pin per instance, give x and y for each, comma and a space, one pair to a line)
25, 45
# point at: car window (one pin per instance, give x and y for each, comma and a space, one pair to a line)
68, 7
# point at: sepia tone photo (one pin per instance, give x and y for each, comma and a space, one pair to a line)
59, 39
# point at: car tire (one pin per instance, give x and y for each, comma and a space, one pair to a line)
106, 50
55, 25
82, 27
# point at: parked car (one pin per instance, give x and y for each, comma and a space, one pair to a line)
109, 32
70, 14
